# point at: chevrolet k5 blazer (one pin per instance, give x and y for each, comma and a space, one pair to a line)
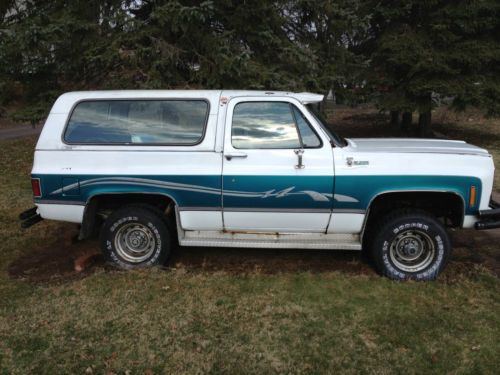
147, 169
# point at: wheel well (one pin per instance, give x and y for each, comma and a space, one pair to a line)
100, 206
446, 206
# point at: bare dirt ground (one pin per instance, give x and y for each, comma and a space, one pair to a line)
5, 123
54, 262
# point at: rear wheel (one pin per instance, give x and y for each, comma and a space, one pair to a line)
410, 245
135, 236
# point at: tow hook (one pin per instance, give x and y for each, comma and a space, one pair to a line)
29, 217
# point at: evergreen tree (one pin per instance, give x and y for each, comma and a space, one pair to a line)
331, 32
407, 52
52, 46
423, 49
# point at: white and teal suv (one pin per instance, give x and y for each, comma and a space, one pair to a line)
146, 169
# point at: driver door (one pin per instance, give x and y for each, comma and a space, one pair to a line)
277, 169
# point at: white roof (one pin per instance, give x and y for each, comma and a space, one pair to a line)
303, 97
66, 101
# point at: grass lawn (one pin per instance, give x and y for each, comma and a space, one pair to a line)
235, 311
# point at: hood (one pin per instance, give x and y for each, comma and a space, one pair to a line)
415, 145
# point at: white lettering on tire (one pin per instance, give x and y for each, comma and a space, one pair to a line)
427, 273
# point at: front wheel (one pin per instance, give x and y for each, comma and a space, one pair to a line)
410, 245
134, 237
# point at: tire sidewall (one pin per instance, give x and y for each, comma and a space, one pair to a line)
135, 215
431, 228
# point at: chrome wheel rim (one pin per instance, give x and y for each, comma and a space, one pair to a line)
412, 251
135, 242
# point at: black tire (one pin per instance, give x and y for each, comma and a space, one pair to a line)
410, 245
136, 236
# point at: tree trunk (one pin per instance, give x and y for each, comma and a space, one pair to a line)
424, 123
406, 120
394, 119
424, 118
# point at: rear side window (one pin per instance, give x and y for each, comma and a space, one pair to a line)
150, 122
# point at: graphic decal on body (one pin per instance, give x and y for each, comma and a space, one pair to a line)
314, 195
344, 198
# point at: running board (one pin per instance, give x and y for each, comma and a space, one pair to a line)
270, 240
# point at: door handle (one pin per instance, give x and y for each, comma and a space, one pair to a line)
231, 155
299, 154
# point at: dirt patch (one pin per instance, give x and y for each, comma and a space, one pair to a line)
365, 122
6, 123
268, 261
54, 262
477, 247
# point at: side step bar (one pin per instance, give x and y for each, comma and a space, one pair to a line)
490, 218
29, 217
270, 240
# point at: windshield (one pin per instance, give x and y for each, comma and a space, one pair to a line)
337, 140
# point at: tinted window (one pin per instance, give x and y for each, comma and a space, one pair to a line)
177, 122
309, 138
264, 125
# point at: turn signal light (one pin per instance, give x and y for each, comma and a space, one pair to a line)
472, 196
36, 188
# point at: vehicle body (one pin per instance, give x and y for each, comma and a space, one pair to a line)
251, 169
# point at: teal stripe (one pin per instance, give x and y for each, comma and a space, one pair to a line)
365, 188
260, 192
51, 183
284, 192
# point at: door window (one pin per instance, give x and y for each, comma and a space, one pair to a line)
271, 125
264, 125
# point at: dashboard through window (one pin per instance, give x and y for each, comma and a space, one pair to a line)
141, 122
